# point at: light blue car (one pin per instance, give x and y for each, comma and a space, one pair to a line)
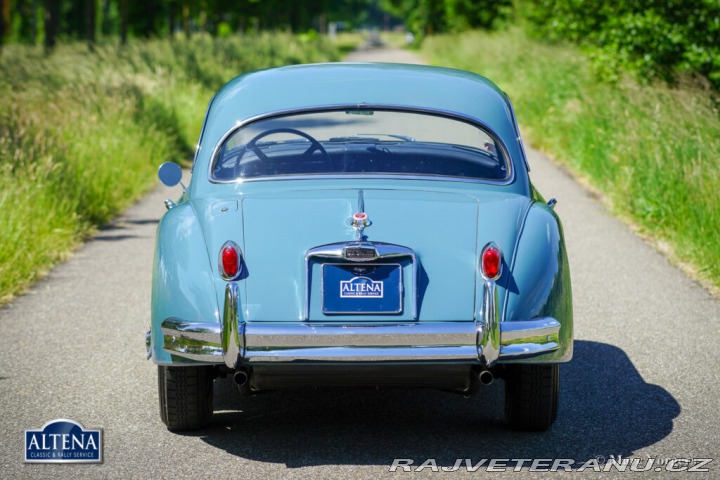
359, 225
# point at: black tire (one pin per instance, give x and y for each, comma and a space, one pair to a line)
531, 395
186, 396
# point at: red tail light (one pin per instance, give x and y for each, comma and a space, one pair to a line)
230, 261
491, 262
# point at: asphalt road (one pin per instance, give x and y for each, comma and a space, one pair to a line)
643, 383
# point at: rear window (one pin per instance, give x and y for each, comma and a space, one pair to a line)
360, 142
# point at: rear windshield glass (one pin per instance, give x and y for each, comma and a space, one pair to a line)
360, 142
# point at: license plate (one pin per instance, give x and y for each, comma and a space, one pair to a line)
361, 289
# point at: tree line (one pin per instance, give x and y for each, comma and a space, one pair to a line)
427, 17
47, 21
648, 36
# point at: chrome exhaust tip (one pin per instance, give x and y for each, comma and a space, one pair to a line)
240, 378
486, 377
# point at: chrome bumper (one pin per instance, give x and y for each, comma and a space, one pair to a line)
484, 342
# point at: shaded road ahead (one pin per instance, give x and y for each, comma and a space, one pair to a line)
643, 382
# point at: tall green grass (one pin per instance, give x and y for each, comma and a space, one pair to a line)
653, 150
82, 134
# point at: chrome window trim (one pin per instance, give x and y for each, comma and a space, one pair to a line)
517, 131
387, 107
202, 131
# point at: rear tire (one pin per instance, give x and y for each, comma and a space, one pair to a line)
186, 396
531, 395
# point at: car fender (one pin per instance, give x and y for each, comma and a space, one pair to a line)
539, 281
182, 284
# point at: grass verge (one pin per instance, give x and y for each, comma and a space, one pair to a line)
653, 150
82, 134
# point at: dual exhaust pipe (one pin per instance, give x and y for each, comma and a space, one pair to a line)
241, 377
485, 377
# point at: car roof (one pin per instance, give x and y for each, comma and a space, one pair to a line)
333, 84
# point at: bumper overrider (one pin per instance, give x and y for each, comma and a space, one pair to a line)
483, 342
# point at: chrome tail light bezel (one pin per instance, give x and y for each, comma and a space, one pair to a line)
221, 267
481, 262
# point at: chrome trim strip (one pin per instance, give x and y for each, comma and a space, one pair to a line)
489, 331
361, 202
529, 338
231, 335
517, 131
384, 251
276, 343
459, 354
400, 108
195, 341
525, 350
198, 147
374, 176
297, 335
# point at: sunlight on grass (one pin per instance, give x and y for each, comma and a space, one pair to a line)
654, 150
82, 134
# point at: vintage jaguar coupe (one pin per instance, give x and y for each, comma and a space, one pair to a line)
359, 225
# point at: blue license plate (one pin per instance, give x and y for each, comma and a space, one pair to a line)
361, 288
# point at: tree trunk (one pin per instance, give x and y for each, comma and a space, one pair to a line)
151, 13
106, 24
172, 19
123, 21
186, 18
34, 27
4, 5
52, 22
90, 20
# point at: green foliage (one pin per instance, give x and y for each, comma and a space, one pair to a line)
654, 150
28, 19
426, 17
81, 135
650, 37
224, 30
465, 14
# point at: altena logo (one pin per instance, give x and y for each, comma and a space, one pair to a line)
63, 441
361, 287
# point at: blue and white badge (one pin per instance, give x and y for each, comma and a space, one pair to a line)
361, 287
63, 441
357, 289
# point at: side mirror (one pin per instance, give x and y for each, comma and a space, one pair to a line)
170, 174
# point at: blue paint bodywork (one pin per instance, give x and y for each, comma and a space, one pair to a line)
275, 222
